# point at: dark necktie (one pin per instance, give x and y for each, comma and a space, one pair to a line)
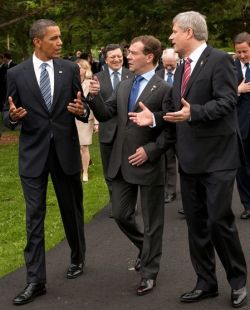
170, 78
186, 75
134, 92
45, 85
247, 74
116, 79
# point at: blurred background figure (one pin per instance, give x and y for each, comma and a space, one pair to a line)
242, 49
85, 130
170, 60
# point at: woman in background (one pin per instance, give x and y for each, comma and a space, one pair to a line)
85, 130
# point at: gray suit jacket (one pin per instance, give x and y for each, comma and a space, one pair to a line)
39, 125
107, 129
157, 97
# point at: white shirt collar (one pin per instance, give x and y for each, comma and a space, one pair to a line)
195, 55
111, 71
37, 62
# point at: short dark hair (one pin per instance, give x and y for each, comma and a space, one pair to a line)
38, 28
242, 37
111, 47
151, 46
7, 55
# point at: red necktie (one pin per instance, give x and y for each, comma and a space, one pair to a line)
186, 75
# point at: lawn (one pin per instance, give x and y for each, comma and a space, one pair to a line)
12, 208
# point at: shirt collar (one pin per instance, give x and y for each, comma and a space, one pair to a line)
111, 71
195, 55
37, 62
148, 75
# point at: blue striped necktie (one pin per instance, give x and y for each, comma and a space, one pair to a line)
247, 74
170, 78
45, 85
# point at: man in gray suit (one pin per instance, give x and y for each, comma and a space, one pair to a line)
44, 95
138, 155
112, 74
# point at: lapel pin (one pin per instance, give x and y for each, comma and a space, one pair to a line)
60, 71
153, 88
201, 64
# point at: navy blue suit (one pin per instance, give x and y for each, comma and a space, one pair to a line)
243, 109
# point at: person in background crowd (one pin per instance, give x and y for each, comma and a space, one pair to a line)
113, 73
170, 60
209, 151
85, 130
44, 97
242, 50
137, 159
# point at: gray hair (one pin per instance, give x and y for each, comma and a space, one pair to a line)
170, 52
38, 28
195, 21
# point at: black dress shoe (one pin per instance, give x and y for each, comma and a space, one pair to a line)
170, 197
245, 215
31, 291
74, 271
181, 211
197, 295
146, 286
239, 297
138, 264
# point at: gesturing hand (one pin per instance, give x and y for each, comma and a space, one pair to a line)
143, 118
179, 116
94, 86
15, 114
77, 107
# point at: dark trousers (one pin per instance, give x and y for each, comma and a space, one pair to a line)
243, 177
149, 241
68, 189
207, 200
171, 173
105, 150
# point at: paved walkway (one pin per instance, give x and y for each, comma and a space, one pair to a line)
108, 283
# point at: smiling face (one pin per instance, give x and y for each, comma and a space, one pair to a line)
242, 51
50, 45
114, 59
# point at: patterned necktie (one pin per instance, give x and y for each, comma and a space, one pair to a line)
45, 85
247, 74
134, 92
116, 79
186, 75
170, 78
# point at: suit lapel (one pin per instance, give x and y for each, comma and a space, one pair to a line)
58, 81
152, 85
31, 80
198, 67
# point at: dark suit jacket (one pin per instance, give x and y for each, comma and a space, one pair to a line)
211, 140
243, 106
156, 96
39, 125
107, 129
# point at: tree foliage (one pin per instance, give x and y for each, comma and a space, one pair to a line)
87, 25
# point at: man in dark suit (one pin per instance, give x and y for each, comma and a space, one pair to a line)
170, 60
209, 152
138, 155
113, 71
44, 95
242, 50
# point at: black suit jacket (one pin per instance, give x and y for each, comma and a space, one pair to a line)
210, 141
243, 106
39, 125
156, 96
107, 129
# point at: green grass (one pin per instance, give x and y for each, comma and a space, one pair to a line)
12, 207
